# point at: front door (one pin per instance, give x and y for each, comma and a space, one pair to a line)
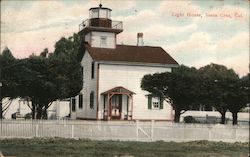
116, 107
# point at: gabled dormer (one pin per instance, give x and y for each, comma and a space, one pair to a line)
99, 30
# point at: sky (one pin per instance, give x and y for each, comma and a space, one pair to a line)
195, 33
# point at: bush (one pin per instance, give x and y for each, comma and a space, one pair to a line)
189, 119
28, 116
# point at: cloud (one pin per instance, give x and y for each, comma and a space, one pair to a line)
22, 44
198, 42
159, 31
200, 49
126, 5
238, 43
41, 13
179, 6
137, 20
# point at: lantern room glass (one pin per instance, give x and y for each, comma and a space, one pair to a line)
100, 13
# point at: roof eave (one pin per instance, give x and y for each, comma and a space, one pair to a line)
137, 63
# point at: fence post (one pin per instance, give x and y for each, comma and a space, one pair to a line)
152, 130
137, 130
72, 131
36, 134
236, 137
209, 133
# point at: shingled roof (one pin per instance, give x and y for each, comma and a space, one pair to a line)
127, 53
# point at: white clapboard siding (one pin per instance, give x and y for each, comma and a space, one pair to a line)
129, 76
96, 39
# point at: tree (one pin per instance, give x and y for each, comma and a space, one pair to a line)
43, 79
238, 95
56, 77
7, 60
179, 87
216, 86
8, 85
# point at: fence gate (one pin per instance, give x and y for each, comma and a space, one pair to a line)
144, 132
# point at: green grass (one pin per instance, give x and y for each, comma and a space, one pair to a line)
87, 148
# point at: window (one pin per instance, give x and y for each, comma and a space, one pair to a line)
80, 101
91, 100
82, 70
155, 103
102, 13
93, 70
103, 41
73, 104
108, 14
82, 76
95, 13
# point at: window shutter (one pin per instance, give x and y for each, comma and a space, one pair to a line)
149, 102
161, 103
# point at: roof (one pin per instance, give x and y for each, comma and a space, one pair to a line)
118, 89
127, 53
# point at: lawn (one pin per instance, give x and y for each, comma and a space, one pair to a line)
89, 148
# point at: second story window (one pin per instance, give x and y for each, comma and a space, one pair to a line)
82, 74
93, 70
103, 41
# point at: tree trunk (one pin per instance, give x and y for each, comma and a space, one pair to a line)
33, 110
1, 106
177, 114
45, 115
39, 112
223, 117
235, 118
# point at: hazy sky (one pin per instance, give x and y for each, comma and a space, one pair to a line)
195, 33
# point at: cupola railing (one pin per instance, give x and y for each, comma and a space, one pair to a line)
91, 23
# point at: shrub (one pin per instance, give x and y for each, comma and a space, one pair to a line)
189, 119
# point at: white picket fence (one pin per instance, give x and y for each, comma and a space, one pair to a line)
123, 130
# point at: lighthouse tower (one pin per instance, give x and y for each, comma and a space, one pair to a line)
99, 30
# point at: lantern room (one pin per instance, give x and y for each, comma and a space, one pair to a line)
100, 17
100, 12
99, 30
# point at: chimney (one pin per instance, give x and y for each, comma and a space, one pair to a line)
139, 39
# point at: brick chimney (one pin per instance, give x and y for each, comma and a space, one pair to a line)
139, 39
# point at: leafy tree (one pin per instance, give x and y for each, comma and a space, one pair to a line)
218, 81
56, 77
8, 88
238, 94
179, 87
44, 53
7, 61
43, 79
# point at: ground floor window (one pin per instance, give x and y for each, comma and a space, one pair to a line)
155, 103
80, 101
73, 104
91, 100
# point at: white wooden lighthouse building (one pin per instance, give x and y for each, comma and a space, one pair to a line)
112, 73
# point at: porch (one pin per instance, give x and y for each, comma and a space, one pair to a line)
118, 104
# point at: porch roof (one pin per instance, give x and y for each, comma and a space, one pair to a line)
118, 90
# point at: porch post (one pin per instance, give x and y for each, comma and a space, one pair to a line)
132, 107
108, 108
127, 107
